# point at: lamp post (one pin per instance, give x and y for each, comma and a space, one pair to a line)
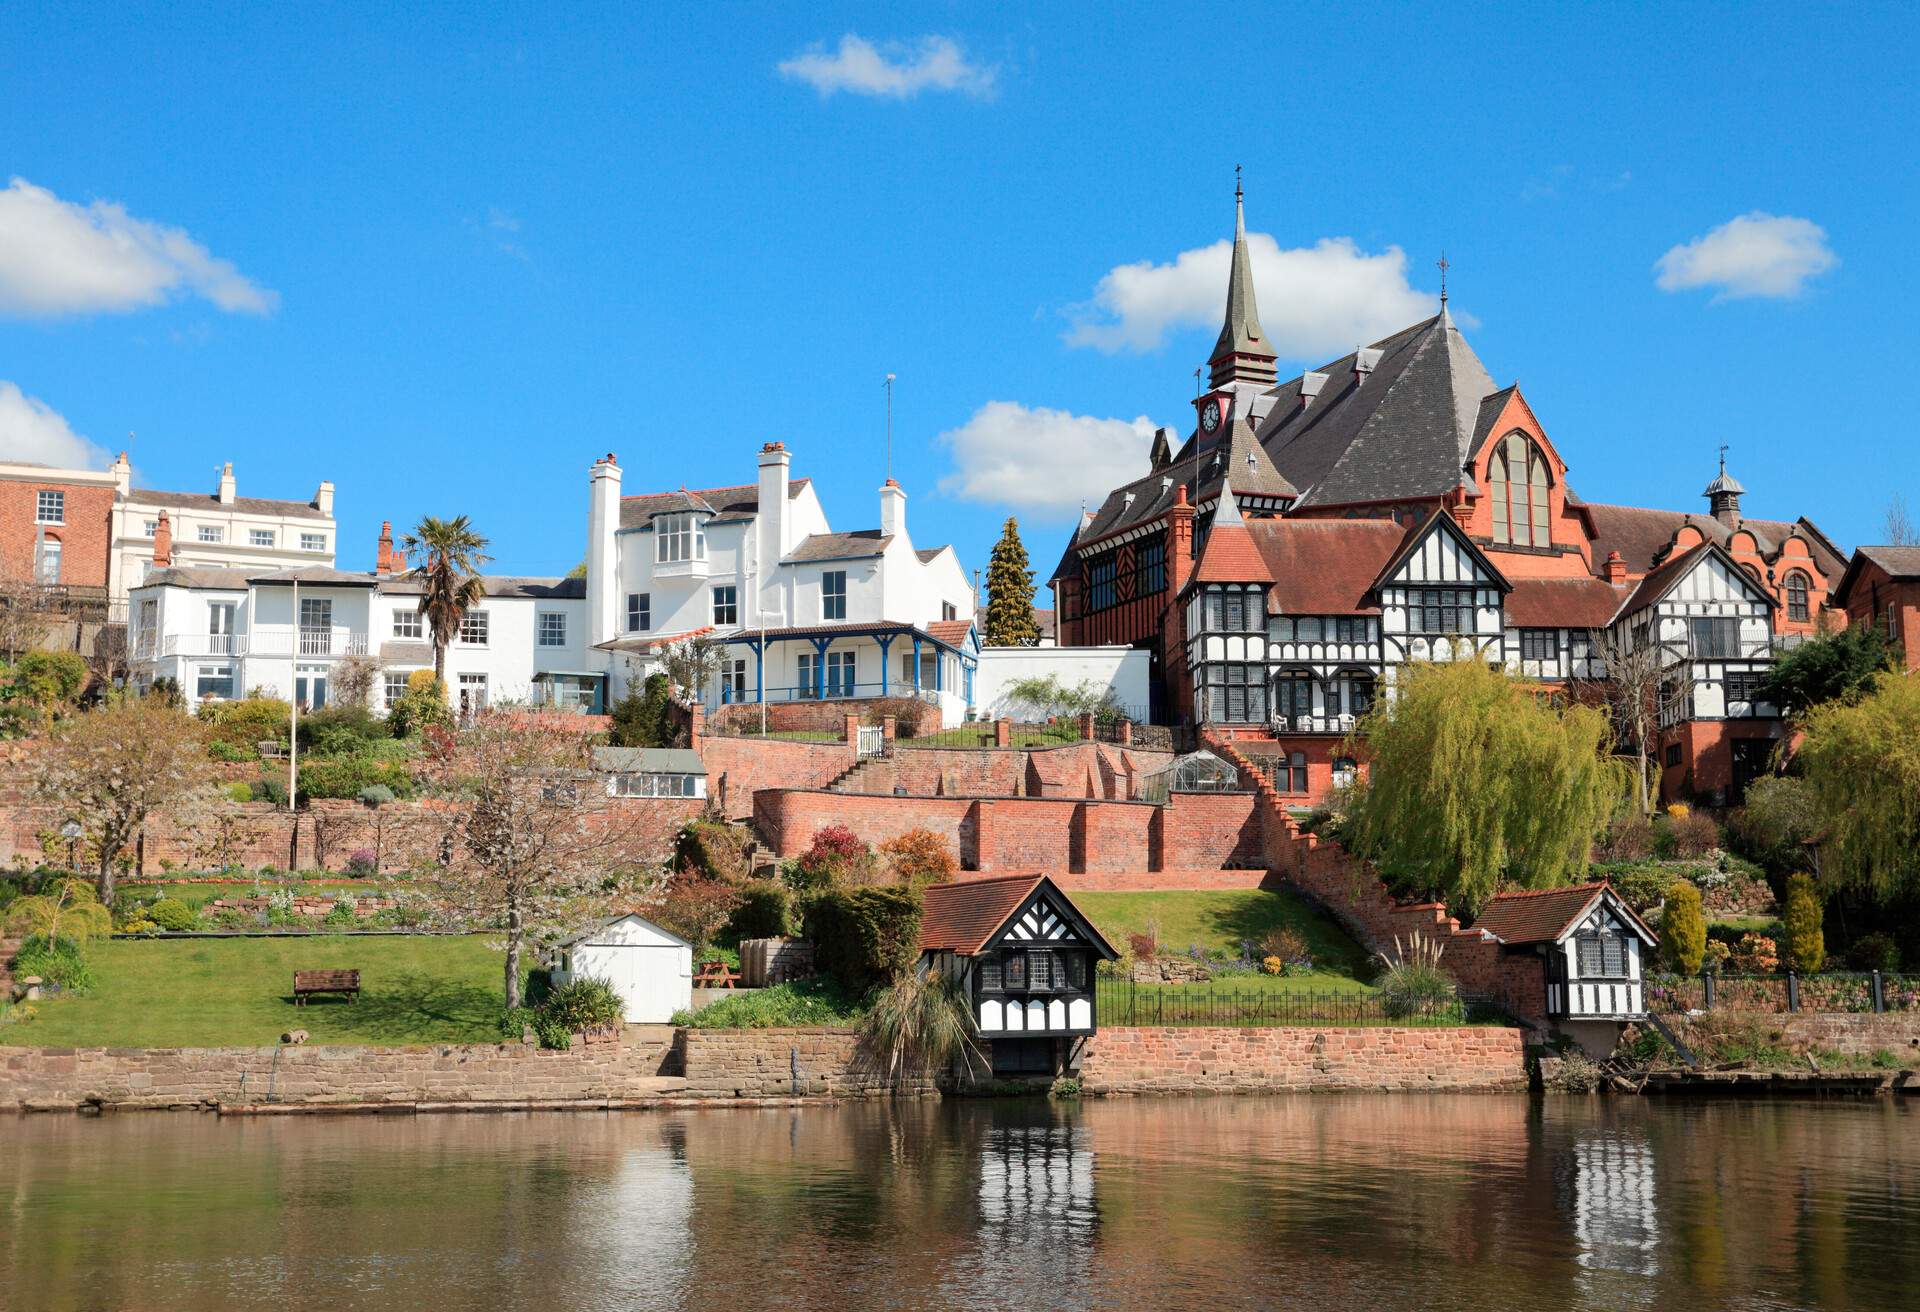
72, 832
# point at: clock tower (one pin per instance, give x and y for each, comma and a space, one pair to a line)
1242, 354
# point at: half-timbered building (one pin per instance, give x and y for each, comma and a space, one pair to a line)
1025, 956
1590, 948
1314, 535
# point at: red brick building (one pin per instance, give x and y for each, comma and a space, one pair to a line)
1395, 505
55, 526
1881, 587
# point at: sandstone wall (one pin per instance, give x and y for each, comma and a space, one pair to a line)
784, 1063
1142, 1059
1857, 1034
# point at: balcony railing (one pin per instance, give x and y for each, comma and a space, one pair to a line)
283, 642
1302, 724
834, 690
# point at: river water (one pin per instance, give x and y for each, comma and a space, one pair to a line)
1355, 1201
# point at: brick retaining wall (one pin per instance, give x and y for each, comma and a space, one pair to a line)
783, 1063
1144, 1059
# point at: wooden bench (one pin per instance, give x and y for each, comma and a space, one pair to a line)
307, 983
715, 975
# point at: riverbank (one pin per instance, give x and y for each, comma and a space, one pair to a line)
740, 1067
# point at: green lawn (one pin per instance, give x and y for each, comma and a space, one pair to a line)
153, 993
1221, 918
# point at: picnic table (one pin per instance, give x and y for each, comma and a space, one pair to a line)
308, 983
715, 975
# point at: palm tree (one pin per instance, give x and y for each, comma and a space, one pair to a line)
447, 555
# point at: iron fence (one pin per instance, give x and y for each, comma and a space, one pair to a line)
1830, 991
1129, 1002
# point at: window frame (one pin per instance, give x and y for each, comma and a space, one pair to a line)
212, 535
833, 594
1531, 640
1717, 625
262, 537
1799, 590
550, 628
679, 538
725, 610
1428, 602
408, 625
475, 620
50, 506
639, 612
313, 542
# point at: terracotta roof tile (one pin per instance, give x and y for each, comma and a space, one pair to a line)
951, 632
1324, 566
1230, 556
1543, 915
1579, 603
961, 917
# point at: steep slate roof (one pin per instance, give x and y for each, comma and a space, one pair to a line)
1403, 433
1640, 535
1580, 603
1325, 566
1545, 915
860, 545
727, 503
1902, 564
207, 501
1234, 454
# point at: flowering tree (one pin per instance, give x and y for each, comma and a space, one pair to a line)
530, 844
114, 766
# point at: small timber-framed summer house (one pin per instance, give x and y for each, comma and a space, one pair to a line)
1025, 956
1590, 945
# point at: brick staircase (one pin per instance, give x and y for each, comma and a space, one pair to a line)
870, 775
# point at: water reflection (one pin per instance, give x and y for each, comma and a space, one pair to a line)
1308, 1202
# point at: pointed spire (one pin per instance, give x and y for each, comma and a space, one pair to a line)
1228, 511
1242, 353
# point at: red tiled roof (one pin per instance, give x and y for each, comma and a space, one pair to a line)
1230, 556
961, 917
1324, 566
1543, 915
951, 632
1578, 603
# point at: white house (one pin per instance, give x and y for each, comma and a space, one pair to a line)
802, 613
651, 969
222, 633
218, 529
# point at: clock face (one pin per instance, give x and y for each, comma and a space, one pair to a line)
1210, 415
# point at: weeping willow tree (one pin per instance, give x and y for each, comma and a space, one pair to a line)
1862, 766
1476, 782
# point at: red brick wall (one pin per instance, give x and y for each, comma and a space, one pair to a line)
1706, 754
738, 768
83, 537
1143, 1059
1872, 593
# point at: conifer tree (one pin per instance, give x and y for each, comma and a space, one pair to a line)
1806, 942
1683, 928
1010, 621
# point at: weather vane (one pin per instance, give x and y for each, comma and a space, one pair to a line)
1443, 266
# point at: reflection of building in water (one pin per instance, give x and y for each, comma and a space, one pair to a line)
1038, 1220
1609, 1189
640, 1215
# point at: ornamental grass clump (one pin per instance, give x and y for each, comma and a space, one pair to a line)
1412, 982
577, 1007
924, 1019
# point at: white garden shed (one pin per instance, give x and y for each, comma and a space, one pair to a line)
651, 969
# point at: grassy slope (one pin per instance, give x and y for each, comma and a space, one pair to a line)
213, 992
1222, 918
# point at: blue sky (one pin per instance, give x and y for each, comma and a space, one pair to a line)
445, 258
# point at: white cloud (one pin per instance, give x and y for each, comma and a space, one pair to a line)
57, 257
893, 70
1041, 460
1319, 300
1755, 254
33, 431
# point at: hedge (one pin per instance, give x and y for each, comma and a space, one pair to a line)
864, 937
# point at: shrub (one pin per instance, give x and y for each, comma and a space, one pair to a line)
38, 914
919, 857
247, 722
422, 706
346, 776
340, 730
239, 792
1757, 953
1642, 886
361, 861
231, 752
642, 718
865, 936
803, 1002
171, 913
1776, 823
1273, 966
712, 849
59, 961
1683, 928
1628, 838
911, 717
375, 795
1142, 947
48, 681
1289, 945
583, 1004
1875, 951
697, 909
1806, 944
269, 789
765, 910
1694, 835
837, 855
1412, 983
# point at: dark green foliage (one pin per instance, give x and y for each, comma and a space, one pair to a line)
1834, 666
341, 731
173, 914
1010, 620
804, 1002
1775, 825
644, 718
1805, 946
166, 690
270, 788
1874, 951
765, 911
221, 750
1642, 885
46, 683
864, 937
1683, 929
712, 849
346, 776
59, 961
423, 704
584, 1004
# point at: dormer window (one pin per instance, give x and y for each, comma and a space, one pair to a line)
1517, 486
678, 538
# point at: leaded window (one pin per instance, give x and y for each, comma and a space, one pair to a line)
1293, 694
1539, 644
1713, 637
1235, 694
1601, 954
1150, 564
1517, 481
1797, 607
1101, 592
1443, 610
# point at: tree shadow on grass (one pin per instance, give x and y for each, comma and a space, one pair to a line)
415, 1008
1252, 919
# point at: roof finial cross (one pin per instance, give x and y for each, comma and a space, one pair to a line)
1236, 182
1443, 266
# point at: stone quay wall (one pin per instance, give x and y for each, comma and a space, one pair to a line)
770, 1063
1234, 1059
1856, 1034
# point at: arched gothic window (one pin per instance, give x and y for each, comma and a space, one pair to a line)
1517, 482
1797, 608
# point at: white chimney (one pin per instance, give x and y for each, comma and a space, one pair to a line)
226, 484
122, 476
323, 499
776, 516
603, 561
893, 510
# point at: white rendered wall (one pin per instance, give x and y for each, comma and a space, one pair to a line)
1124, 670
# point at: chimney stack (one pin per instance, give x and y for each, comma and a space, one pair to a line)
1180, 533
1616, 568
603, 560
227, 485
163, 543
776, 519
386, 560
323, 499
893, 510
122, 476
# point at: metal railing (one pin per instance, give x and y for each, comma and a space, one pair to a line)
831, 690
1223, 1003
1830, 991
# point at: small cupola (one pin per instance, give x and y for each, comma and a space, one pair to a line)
1723, 494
